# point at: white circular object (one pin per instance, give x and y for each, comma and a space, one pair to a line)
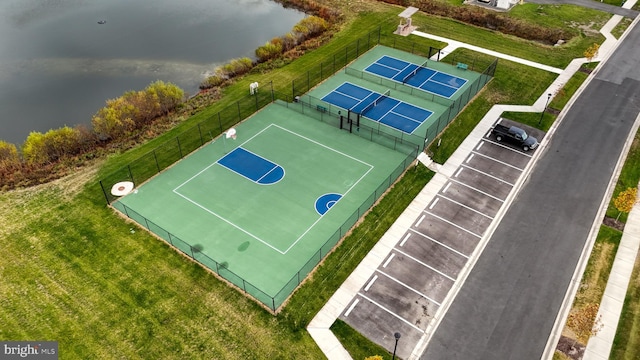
231, 133
122, 188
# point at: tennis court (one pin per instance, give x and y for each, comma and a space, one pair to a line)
419, 76
264, 205
378, 107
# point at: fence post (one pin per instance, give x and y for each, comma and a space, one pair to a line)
239, 114
104, 192
357, 48
179, 147
131, 174
200, 132
219, 122
156, 159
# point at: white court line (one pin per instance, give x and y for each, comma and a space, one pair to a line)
439, 243
499, 161
458, 172
371, 167
487, 174
426, 265
409, 287
478, 190
469, 158
434, 203
353, 305
391, 312
419, 221
446, 188
467, 207
453, 224
389, 260
375, 277
509, 148
405, 239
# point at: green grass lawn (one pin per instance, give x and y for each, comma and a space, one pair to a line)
73, 271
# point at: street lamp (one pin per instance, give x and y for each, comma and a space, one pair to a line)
397, 336
545, 108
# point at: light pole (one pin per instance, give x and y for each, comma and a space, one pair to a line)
397, 336
545, 108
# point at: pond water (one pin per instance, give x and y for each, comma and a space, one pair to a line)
59, 64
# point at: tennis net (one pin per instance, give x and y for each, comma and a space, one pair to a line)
414, 72
375, 102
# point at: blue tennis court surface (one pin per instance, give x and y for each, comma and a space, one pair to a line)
433, 81
378, 107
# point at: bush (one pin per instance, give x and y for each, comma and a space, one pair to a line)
268, 51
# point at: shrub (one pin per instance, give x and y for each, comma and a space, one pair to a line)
268, 51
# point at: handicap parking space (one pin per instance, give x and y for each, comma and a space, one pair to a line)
415, 279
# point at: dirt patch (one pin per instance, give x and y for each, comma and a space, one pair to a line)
613, 223
571, 350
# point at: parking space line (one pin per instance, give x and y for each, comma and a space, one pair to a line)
446, 188
500, 162
405, 239
480, 191
375, 277
508, 147
434, 203
489, 175
465, 206
392, 313
455, 225
441, 244
469, 158
426, 265
351, 307
458, 172
419, 221
388, 260
480, 145
410, 288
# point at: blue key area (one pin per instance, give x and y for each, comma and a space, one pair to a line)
392, 62
325, 202
447, 79
378, 69
252, 166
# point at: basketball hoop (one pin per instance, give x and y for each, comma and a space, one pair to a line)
231, 133
122, 188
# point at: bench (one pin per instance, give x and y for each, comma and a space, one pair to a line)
462, 66
321, 108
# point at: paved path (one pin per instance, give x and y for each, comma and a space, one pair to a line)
319, 326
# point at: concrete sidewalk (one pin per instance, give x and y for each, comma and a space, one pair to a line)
319, 327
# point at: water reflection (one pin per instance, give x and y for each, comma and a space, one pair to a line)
58, 65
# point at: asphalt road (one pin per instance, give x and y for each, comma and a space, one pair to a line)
507, 307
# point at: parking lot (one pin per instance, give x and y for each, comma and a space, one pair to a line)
406, 291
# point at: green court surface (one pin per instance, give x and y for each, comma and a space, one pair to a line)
265, 233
